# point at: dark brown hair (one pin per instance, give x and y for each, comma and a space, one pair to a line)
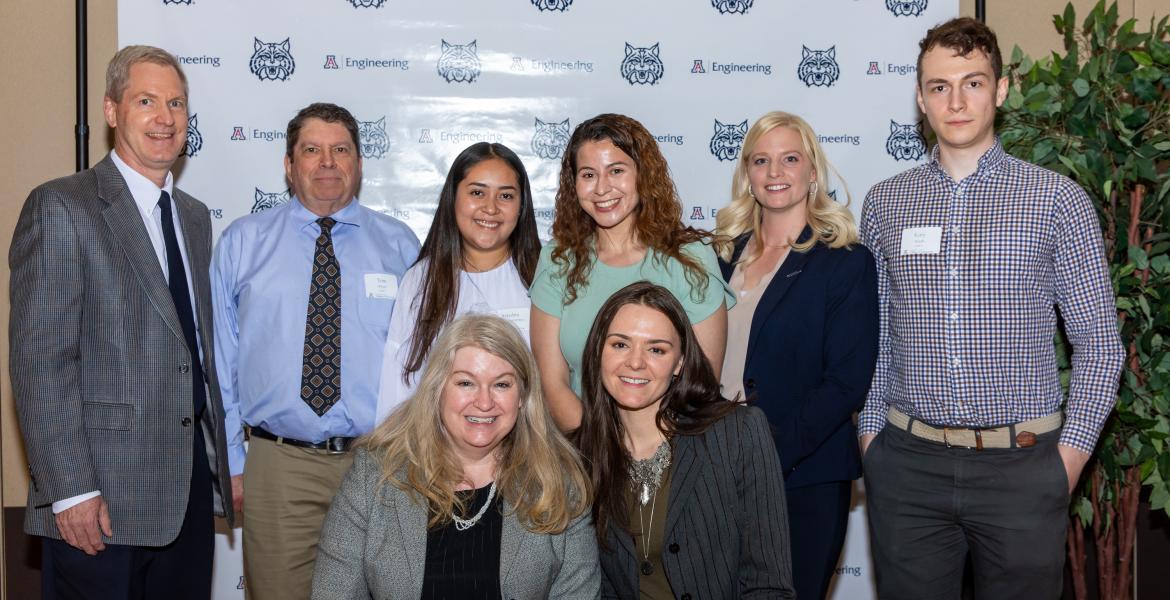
657, 218
330, 113
443, 250
964, 35
691, 404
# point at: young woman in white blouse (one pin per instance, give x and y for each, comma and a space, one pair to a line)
479, 257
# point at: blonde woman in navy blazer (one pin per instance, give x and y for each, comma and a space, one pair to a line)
804, 340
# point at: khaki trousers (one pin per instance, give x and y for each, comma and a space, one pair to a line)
287, 491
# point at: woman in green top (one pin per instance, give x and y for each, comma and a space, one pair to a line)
618, 220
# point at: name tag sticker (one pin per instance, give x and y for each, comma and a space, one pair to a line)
517, 316
921, 240
383, 286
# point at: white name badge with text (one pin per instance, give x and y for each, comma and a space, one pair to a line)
383, 286
921, 240
517, 316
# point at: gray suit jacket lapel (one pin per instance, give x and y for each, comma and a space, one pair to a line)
682, 481
412, 521
125, 222
510, 539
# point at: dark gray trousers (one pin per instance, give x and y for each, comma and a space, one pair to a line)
930, 505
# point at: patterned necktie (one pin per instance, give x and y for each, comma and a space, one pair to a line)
181, 296
321, 371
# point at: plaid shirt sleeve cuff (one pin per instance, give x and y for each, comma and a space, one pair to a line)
1080, 436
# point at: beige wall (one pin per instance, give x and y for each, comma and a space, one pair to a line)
1028, 23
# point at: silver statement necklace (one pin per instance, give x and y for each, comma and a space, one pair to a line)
645, 479
462, 524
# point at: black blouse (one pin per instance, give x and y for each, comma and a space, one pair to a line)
466, 564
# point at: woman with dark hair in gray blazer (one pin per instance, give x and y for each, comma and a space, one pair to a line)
467, 490
689, 493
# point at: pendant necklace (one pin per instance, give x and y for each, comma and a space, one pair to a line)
645, 479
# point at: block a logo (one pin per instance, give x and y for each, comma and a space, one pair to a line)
873, 68
818, 67
194, 138
238, 134
552, 5
698, 67
424, 136
642, 65
906, 8
517, 64
271, 62
549, 139
265, 201
459, 63
833, 194
372, 135
738, 7
330, 62
905, 141
727, 139
367, 3
697, 213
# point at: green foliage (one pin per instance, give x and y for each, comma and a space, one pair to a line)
1111, 135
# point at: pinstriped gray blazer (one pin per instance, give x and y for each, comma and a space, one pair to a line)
726, 530
100, 368
374, 545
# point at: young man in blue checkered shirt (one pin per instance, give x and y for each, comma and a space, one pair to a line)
967, 450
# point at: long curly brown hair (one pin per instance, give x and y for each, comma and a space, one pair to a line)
658, 216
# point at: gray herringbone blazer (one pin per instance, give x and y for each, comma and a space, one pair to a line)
100, 369
726, 533
374, 545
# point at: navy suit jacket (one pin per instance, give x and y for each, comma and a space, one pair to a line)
811, 355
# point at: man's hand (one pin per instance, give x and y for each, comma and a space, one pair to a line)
865, 441
83, 525
238, 494
1074, 463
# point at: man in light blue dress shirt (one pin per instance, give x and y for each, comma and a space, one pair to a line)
275, 279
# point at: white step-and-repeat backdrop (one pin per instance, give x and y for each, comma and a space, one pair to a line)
426, 79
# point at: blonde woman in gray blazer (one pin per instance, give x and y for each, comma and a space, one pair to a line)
471, 463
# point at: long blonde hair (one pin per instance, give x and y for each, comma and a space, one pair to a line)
540, 474
831, 221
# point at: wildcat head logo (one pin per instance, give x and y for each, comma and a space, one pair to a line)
818, 67
372, 135
642, 65
265, 201
459, 63
727, 139
738, 7
367, 3
271, 61
906, 8
549, 139
552, 5
194, 138
905, 141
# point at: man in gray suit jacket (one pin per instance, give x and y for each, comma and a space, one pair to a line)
112, 357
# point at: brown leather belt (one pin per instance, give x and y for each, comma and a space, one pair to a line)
1016, 435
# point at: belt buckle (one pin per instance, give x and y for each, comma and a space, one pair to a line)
336, 445
978, 437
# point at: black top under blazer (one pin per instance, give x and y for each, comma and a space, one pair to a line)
726, 532
811, 356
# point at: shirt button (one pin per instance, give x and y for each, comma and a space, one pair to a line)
185, 421
955, 363
955, 229
954, 272
674, 548
955, 316
184, 367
